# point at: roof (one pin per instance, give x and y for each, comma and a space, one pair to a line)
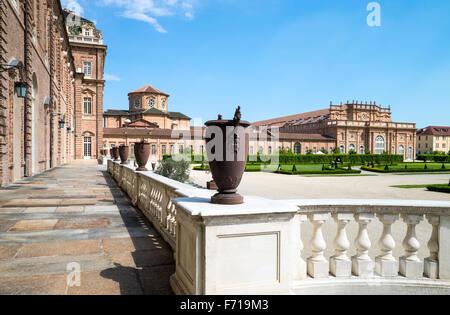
150, 111
113, 112
137, 132
434, 131
305, 137
148, 89
281, 121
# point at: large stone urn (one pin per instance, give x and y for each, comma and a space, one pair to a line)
124, 151
227, 156
115, 153
142, 153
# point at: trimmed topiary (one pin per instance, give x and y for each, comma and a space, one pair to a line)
386, 168
426, 167
294, 169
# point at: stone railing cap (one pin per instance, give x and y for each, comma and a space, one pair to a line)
252, 205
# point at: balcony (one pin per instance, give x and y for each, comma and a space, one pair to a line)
85, 39
260, 247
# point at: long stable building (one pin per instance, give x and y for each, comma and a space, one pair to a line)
353, 126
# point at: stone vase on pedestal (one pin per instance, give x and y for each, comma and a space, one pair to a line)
124, 151
227, 157
115, 153
142, 153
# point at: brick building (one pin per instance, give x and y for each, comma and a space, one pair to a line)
35, 51
433, 139
39, 131
89, 54
148, 117
353, 126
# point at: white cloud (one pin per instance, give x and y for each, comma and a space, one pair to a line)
149, 10
110, 77
73, 5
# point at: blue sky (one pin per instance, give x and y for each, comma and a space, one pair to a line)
276, 58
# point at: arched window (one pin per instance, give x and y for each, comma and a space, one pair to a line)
297, 148
151, 103
401, 150
410, 153
270, 150
342, 149
137, 102
351, 147
164, 104
362, 150
261, 150
380, 145
393, 149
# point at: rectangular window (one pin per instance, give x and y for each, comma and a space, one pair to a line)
87, 101
163, 149
201, 149
87, 68
153, 149
87, 32
172, 149
132, 149
180, 149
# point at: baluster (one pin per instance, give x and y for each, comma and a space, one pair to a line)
362, 265
318, 266
410, 265
431, 265
340, 263
385, 264
300, 272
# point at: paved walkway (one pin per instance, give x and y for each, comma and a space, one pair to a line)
76, 215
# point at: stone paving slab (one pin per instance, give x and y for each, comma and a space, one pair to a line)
77, 214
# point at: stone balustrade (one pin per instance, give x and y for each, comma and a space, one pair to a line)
259, 247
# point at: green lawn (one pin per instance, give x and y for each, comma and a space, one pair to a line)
410, 186
410, 168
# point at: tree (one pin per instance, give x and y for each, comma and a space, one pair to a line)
176, 170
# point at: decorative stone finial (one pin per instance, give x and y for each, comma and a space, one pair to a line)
237, 115
219, 117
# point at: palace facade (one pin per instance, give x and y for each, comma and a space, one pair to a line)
353, 126
42, 85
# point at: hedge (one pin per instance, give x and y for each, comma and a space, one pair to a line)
439, 188
434, 157
354, 159
403, 170
291, 158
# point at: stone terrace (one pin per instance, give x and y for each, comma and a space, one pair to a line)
76, 213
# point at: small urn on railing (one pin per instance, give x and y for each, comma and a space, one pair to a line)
124, 151
142, 153
227, 156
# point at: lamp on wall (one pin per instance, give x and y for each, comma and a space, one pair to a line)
21, 89
62, 121
69, 127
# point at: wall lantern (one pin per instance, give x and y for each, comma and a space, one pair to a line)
62, 121
69, 127
21, 89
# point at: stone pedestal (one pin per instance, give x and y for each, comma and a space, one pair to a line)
362, 268
340, 268
431, 268
411, 269
318, 269
386, 268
